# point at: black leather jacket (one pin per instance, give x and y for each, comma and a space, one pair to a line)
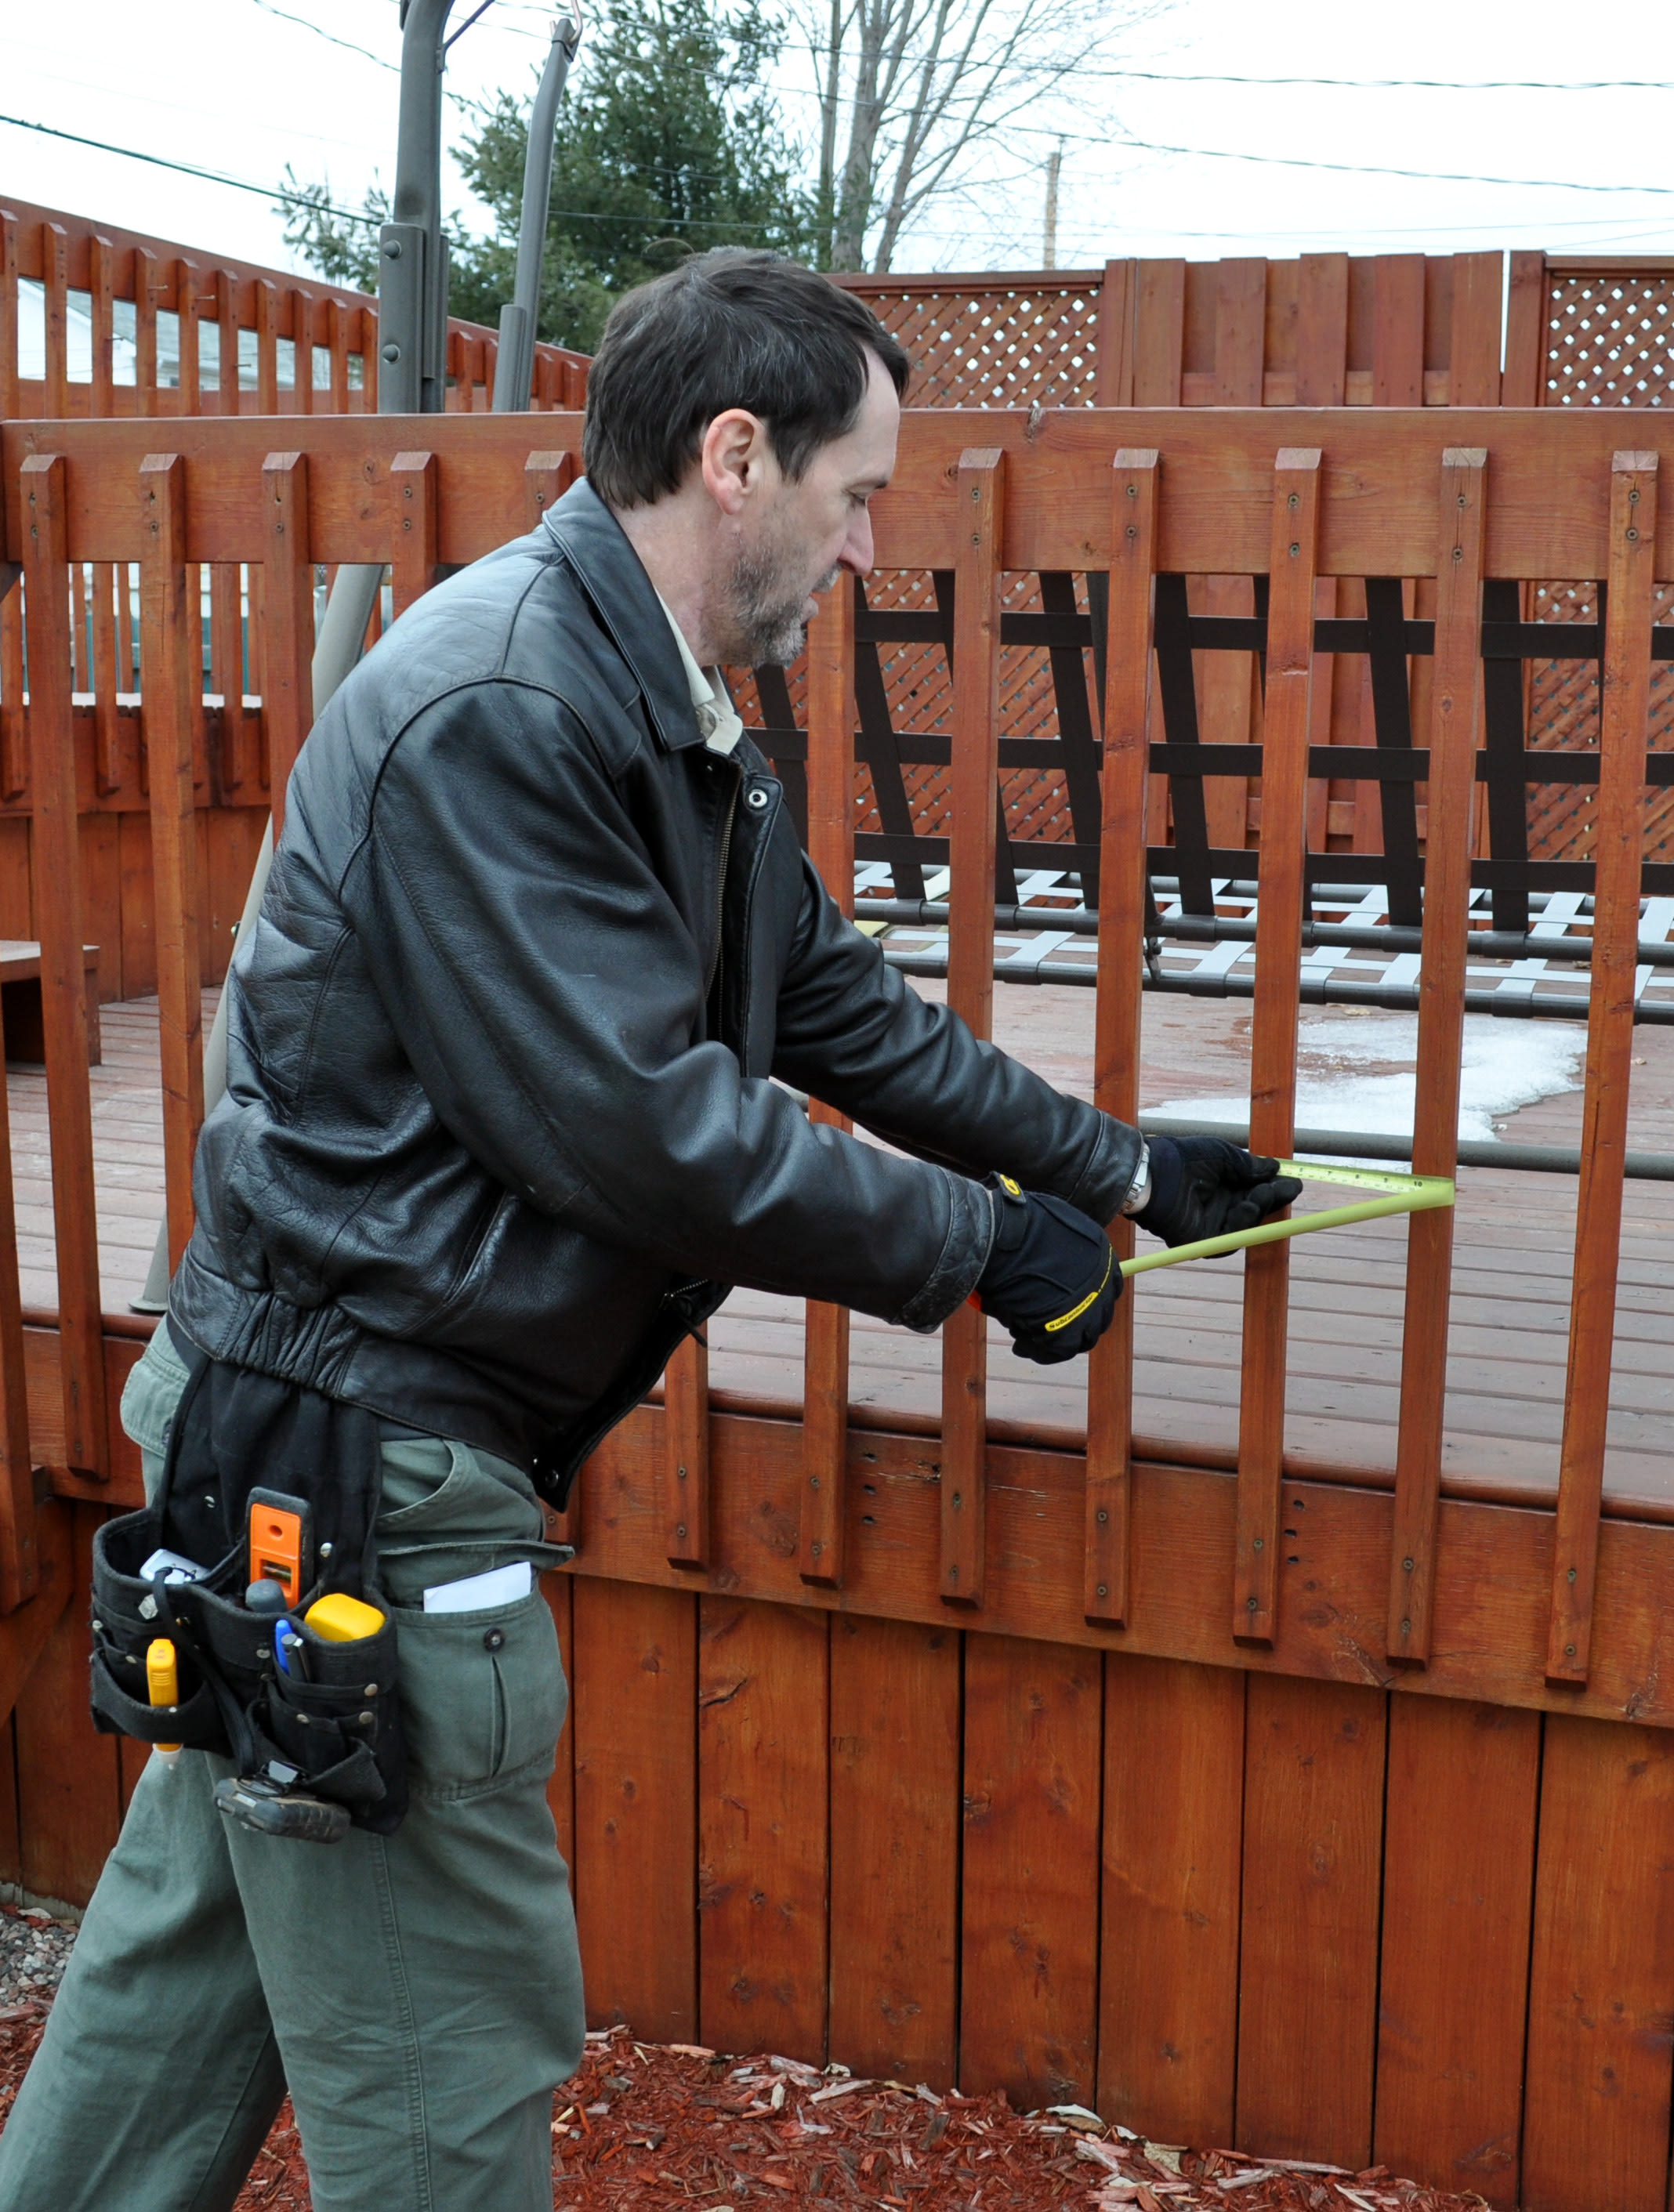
498, 1130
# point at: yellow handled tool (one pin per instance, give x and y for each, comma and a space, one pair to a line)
162, 1683
1387, 1193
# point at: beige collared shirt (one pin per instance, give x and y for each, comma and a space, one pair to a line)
717, 717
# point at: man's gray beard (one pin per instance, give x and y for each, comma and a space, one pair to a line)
767, 622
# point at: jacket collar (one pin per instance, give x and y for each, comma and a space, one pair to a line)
612, 575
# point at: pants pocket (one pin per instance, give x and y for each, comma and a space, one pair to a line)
482, 1696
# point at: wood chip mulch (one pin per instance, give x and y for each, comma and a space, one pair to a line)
658, 2125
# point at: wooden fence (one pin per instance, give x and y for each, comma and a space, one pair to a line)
1272, 1802
1327, 330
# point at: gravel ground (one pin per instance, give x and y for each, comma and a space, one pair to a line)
34, 1950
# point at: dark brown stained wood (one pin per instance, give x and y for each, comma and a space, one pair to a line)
546, 478
1160, 333
830, 711
1114, 373
412, 482
1322, 329
1029, 1881
635, 1688
20, 1561
147, 283
762, 1780
186, 308
55, 313
1473, 376
226, 316
1377, 509
301, 331
1240, 332
1169, 1930
63, 974
1595, 2125
1314, 1802
235, 770
559, 1592
1398, 356
101, 297
1491, 1613
1524, 384
68, 1783
25, 1629
1453, 737
1619, 843
1122, 879
976, 767
1459, 1892
895, 1821
288, 619
9, 358
685, 1385
11, 1839
169, 663
1286, 723
266, 324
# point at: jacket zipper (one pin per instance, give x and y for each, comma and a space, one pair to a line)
721, 885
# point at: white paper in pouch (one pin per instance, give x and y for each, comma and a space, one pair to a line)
477, 1593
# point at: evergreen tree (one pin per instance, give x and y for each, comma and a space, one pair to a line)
668, 142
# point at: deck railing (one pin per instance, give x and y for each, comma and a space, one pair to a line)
100, 321
777, 1559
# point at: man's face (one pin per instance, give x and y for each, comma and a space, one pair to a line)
797, 537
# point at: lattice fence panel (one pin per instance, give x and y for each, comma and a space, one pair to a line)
1563, 717
1004, 346
1609, 339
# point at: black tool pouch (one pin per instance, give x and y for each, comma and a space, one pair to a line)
337, 1732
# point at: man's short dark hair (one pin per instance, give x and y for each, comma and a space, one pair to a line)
730, 328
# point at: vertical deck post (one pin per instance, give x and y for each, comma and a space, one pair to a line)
1624, 716
172, 693
1272, 1048
975, 768
287, 607
412, 482
1122, 886
62, 975
822, 1519
1455, 723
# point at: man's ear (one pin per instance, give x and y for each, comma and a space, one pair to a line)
732, 458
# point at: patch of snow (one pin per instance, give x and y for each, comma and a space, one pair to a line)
1351, 1076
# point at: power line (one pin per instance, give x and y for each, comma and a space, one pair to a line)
1394, 84
331, 37
1373, 169
269, 192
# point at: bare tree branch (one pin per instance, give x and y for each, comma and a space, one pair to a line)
911, 93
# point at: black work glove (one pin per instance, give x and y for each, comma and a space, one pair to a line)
1051, 1276
1203, 1186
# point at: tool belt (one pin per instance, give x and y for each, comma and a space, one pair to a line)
336, 1735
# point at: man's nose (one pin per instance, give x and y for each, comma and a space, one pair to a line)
856, 554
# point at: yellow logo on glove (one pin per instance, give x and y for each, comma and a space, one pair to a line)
1092, 1298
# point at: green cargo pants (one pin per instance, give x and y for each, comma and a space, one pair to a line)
419, 1994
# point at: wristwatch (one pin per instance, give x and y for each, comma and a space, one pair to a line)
1139, 1191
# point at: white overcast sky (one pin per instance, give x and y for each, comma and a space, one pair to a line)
233, 86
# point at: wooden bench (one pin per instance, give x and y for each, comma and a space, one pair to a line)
20, 1016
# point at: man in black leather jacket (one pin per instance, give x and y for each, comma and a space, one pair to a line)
498, 1131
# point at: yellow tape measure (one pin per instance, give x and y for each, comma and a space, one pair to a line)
1395, 1193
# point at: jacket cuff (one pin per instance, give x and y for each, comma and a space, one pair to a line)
1108, 1175
963, 1256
